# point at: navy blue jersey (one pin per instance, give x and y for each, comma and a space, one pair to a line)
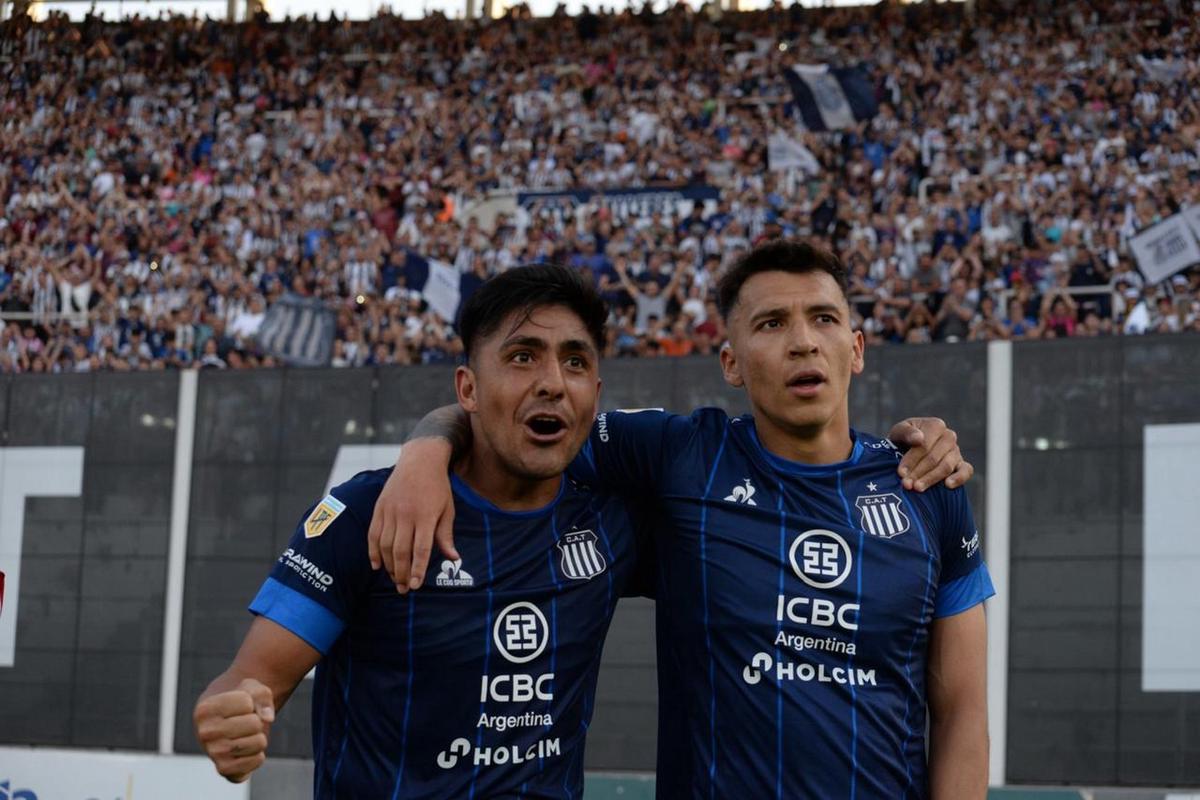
794, 606
481, 684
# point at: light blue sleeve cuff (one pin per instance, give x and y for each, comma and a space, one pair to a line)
962, 593
303, 616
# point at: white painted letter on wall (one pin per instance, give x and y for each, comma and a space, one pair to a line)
27, 472
1171, 562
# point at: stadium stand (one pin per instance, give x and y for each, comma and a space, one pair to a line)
164, 182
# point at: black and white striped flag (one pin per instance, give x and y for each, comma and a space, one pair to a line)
831, 99
299, 331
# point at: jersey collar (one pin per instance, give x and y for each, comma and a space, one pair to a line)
799, 468
477, 501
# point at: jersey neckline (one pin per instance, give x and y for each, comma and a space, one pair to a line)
799, 468
481, 503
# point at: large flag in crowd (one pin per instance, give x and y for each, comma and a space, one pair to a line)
831, 99
786, 152
1164, 249
299, 331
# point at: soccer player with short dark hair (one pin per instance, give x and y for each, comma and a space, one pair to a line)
481, 685
813, 612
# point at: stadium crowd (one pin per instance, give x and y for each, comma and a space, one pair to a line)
164, 182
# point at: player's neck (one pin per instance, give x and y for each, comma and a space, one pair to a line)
825, 444
492, 481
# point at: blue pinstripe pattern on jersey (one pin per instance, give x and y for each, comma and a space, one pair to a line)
849, 661
337, 766
916, 633
487, 635
554, 626
712, 710
407, 700
778, 656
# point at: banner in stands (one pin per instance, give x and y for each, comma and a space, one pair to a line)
831, 98
440, 285
1163, 249
299, 330
625, 202
1191, 215
40, 774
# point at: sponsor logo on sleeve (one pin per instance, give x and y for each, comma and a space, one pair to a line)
971, 546
323, 516
299, 563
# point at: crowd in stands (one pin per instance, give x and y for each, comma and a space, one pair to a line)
164, 182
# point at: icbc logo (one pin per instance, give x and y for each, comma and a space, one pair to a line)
821, 558
521, 632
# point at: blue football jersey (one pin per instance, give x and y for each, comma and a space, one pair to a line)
481, 684
794, 606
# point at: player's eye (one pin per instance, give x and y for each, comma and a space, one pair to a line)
521, 357
770, 324
577, 362
828, 319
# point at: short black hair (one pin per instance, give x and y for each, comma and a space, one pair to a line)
526, 289
777, 255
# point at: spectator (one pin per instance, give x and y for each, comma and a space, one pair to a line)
224, 165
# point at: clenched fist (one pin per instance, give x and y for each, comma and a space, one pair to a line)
233, 726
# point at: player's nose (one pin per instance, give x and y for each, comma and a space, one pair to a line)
801, 341
550, 381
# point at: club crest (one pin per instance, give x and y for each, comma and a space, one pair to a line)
882, 515
581, 558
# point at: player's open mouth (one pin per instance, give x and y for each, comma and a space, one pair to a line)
806, 383
546, 428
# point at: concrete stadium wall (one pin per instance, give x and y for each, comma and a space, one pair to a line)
89, 562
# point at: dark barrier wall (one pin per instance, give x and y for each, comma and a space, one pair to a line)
93, 568
265, 445
1076, 711
90, 629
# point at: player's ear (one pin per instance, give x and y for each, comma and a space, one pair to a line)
857, 362
465, 387
730, 368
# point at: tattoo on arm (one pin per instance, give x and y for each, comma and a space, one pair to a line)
448, 422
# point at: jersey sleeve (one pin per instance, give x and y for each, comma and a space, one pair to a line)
631, 449
318, 580
964, 581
